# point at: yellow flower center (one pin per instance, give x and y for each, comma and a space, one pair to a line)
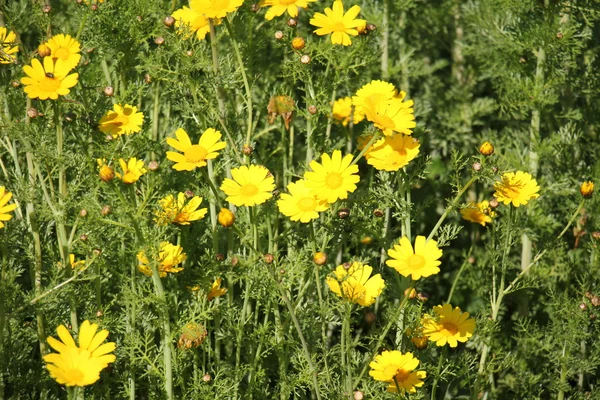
195, 153
333, 180
307, 203
74, 375
449, 328
416, 261
248, 190
49, 85
402, 375
338, 27
62, 53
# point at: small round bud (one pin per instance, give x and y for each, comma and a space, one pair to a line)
346, 265
476, 166
268, 258
169, 21
94, 7
420, 342
493, 203
587, 189
106, 173
305, 59
83, 237
108, 138
90, 50
312, 109
370, 317
366, 240
298, 43
371, 27
206, 378
588, 295
220, 257
79, 1
595, 301
247, 149
32, 113
189, 53
278, 35
159, 41
495, 169
105, 210
596, 235
522, 60
153, 165
147, 78
583, 307
343, 213
282, 271
44, 50
46, 9
109, 91
358, 395
139, 18
471, 260
97, 252
189, 194
411, 293
320, 258
99, 313
559, 35
378, 212
486, 149
15, 84
83, 213
234, 261
292, 22
422, 296
226, 218
70, 116
255, 7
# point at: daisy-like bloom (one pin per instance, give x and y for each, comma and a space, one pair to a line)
391, 116
587, 189
340, 25
398, 370
121, 120
480, 213
420, 263
448, 326
169, 256
194, 155
72, 263
79, 365
215, 8
132, 170
300, 204
177, 212
356, 283
342, 111
278, 7
375, 90
392, 152
188, 21
334, 178
516, 188
66, 48
216, 290
48, 81
7, 50
250, 186
4, 208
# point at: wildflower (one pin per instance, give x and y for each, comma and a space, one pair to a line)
169, 256
192, 335
79, 365
356, 283
587, 189
66, 48
420, 263
226, 218
373, 91
189, 20
448, 326
398, 370
342, 111
132, 170
391, 116
279, 7
216, 290
301, 204
48, 81
516, 188
281, 105
72, 263
250, 186
298, 43
4, 208
121, 120
486, 149
215, 8
7, 50
320, 258
480, 213
106, 172
392, 152
340, 25
334, 178
194, 155
177, 212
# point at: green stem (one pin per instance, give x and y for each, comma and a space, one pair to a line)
375, 137
438, 370
347, 349
451, 207
160, 292
155, 118
210, 176
457, 278
385, 73
3, 283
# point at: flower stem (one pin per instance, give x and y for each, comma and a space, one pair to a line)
438, 370
366, 148
451, 207
457, 278
164, 311
347, 350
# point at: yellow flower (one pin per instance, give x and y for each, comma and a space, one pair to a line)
169, 256
48, 81
480, 213
215, 8
391, 116
373, 91
178, 212
342, 111
278, 7
132, 170
516, 188
486, 149
188, 20
4, 208
216, 290
226, 218
398, 370
194, 155
587, 189
79, 365
7, 50
340, 25
72, 263
66, 48
300, 204
448, 326
392, 152
334, 178
250, 186
420, 263
105, 171
122, 120
357, 284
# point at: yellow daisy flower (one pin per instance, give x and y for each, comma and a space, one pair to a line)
279, 7
420, 263
448, 326
188, 21
7, 50
79, 365
398, 370
169, 256
66, 48
340, 25
5, 197
72, 263
391, 116
334, 178
121, 120
516, 188
194, 155
215, 8
392, 152
356, 283
373, 91
132, 170
177, 212
48, 81
216, 290
250, 186
300, 204
342, 111
480, 213
587, 189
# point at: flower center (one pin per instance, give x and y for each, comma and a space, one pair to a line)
338, 27
195, 153
74, 375
248, 190
120, 120
416, 261
402, 375
449, 328
333, 180
49, 84
307, 203
62, 53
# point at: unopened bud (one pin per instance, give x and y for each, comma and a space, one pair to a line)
371, 27
153, 165
476, 166
220, 257
298, 43
83, 237
83, 213
486, 149
147, 78
522, 60
411, 293
226, 218
109, 91
495, 169
282, 271
587, 189
99, 313
268, 258
422, 296
305, 59
234, 261
471, 260
343, 213
595, 301
105, 210
247, 149
278, 35
44, 50
94, 7
370, 317
97, 252
189, 194
70, 116
206, 378
159, 41
15, 84
189, 53
255, 7
346, 265
46, 9
559, 35
583, 307
320, 258
32, 112
312, 109
292, 22
378, 212
596, 235
106, 173
493, 203
169, 21
358, 395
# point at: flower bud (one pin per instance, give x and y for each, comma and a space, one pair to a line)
378, 212
343, 213
83, 237
371, 27
83, 213
420, 342
522, 60
292, 22
587, 189
32, 113
189, 194
298, 43
596, 234
46, 9
109, 91
370, 317
268, 258
583, 307
169, 21
106, 173
247, 149
159, 41
234, 261
15, 84
153, 165
226, 218
471, 260
220, 257
206, 378
312, 109
595, 301
70, 116
346, 265
411, 293
476, 166
320, 258
493, 203
358, 395
278, 35
486, 149
495, 169
366, 240
105, 210
94, 7
422, 296
282, 271
305, 59
99, 313
147, 78
97, 252
43, 50
255, 7
559, 35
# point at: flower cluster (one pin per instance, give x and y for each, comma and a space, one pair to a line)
178, 212
169, 256
355, 283
200, 14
